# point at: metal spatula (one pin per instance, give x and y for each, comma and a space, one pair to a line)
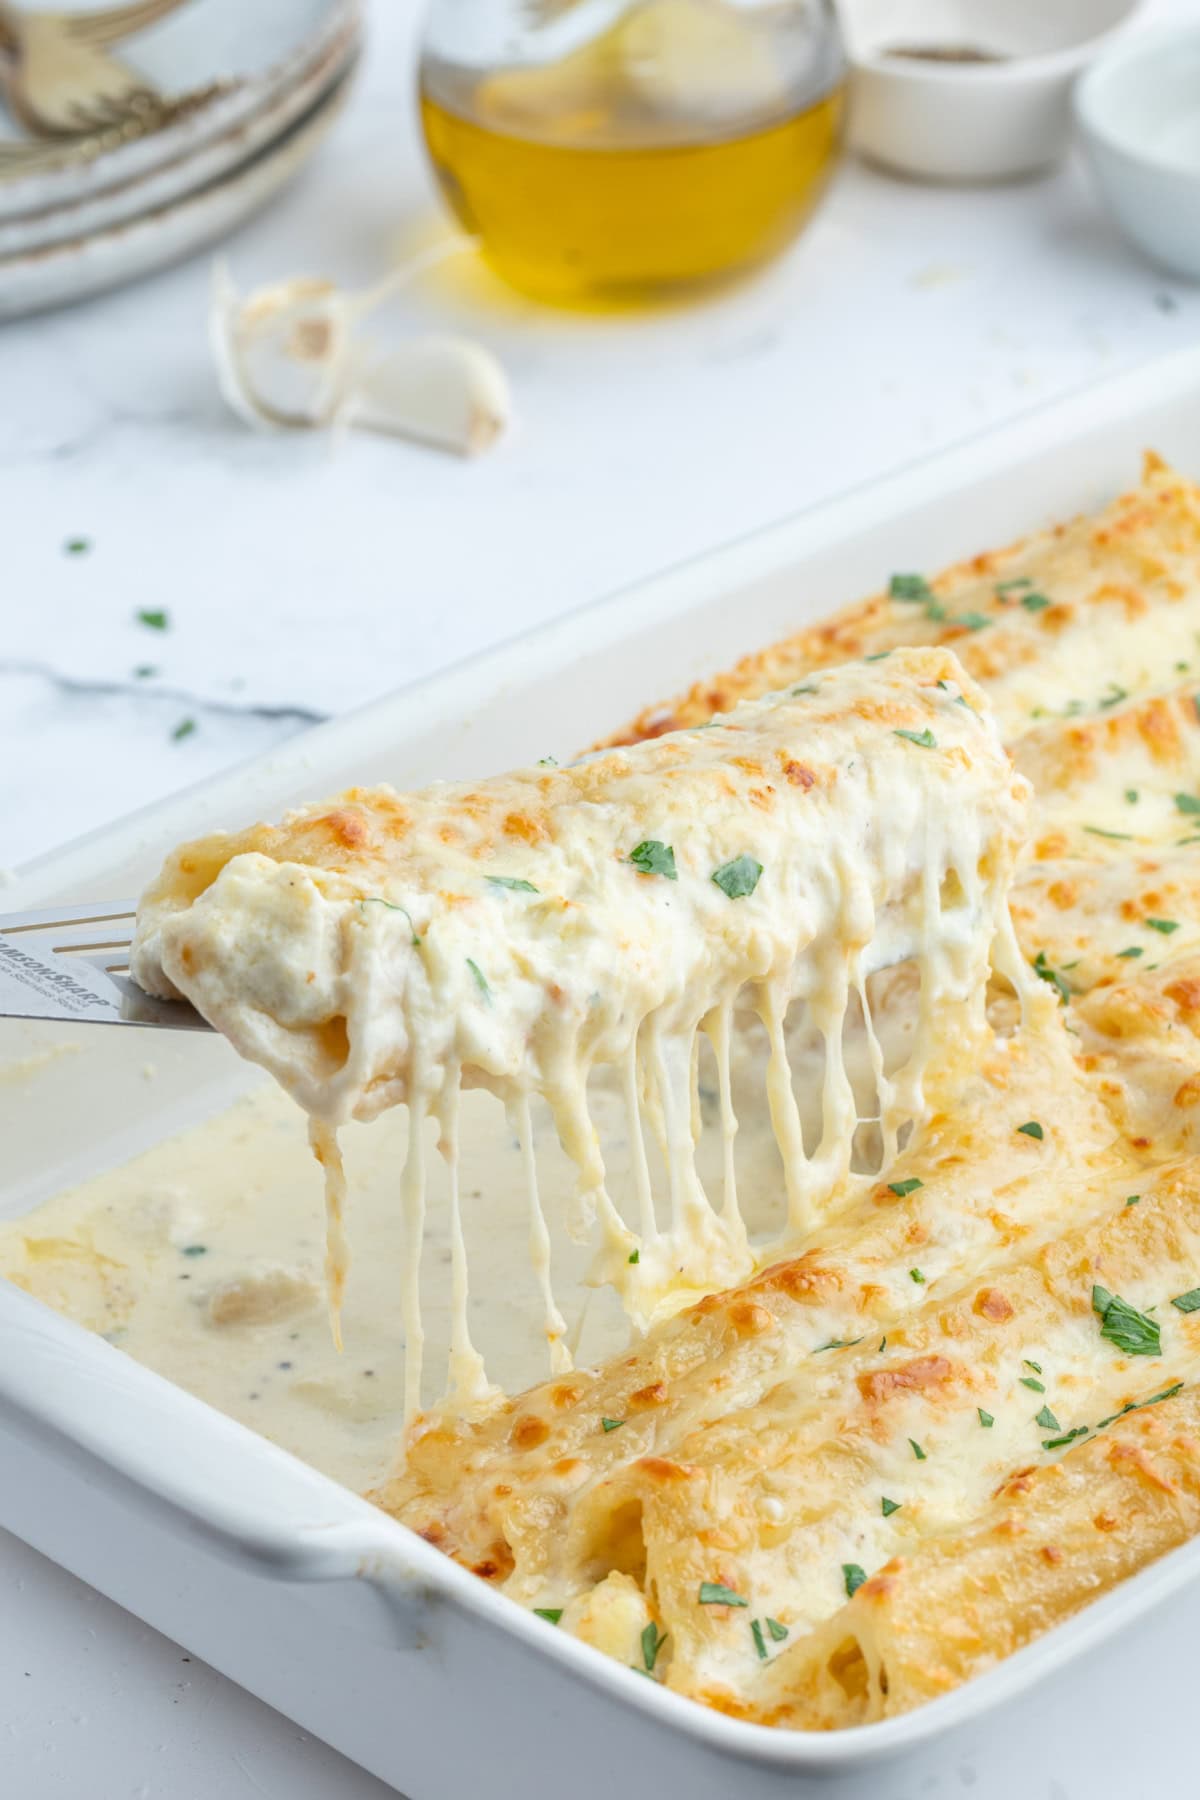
72, 963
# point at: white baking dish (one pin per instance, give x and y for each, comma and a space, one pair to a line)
302, 1592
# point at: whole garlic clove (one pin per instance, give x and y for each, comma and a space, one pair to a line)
441, 391
283, 352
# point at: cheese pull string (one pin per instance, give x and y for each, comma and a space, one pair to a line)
323, 1141
412, 1201
467, 1380
521, 1122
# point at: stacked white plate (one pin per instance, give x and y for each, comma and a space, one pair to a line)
73, 223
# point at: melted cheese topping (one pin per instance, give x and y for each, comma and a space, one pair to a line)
525, 932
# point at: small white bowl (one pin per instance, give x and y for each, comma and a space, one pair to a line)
1139, 116
989, 120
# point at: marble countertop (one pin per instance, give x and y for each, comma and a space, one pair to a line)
303, 578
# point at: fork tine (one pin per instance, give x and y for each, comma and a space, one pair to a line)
117, 22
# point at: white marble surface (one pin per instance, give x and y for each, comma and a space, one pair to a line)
301, 581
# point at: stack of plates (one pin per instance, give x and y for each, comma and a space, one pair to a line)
74, 222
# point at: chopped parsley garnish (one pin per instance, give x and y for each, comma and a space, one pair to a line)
378, 900
1133, 1199
905, 1188
1137, 1405
1014, 581
183, 730
194, 1250
1035, 602
888, 1507
935, 610
796, 692
510, 881
480, 978
652, 1643
917, 1450
836, 1344
1047, 1420
1068, 1437
738, 877
974, 621
1187, 803
853, 1575
1131, 794
916, 1275
1124, 1326
778, 1632
145, 671
1032, 1129
713, 1593
547, 762
635, 1256
652, 858
882, 1345
878, 656
909, 587
925, 738
1028, 1363
1189, 1302
154, 618
77, 546
1166, 926
756, 1632
1031, 1381
1133, 950
1120, 837
985, 1418
551, 1614
1042, 967
1116, 693
612, 1424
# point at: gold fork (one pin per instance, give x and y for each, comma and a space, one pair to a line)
58, 77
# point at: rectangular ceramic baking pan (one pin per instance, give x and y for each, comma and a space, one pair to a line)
305, 1594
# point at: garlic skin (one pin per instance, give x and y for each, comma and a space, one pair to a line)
288, 359
446, 392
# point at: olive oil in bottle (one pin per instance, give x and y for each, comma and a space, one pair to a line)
688, 140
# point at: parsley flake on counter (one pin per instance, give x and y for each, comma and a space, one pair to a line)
778, 1632
612, 1424
925, 738
551, 1614
888, 1507
1166, 926
905, 1188
154, 618
1031, 1381
145, 671
985, 1418
916, 1275
1189, 1302
1120, 837
714, 1593
1032, 1129
184, 729
909, 587
1034, 602
1068, 1437
853, 1575
1133, 950
1042, 968
653, 858
652, 1643
1047, 1420
480, 978
511, 881
77, 546
760, 1643
1187, 803
917, 1450
1124, 1326
738, 877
